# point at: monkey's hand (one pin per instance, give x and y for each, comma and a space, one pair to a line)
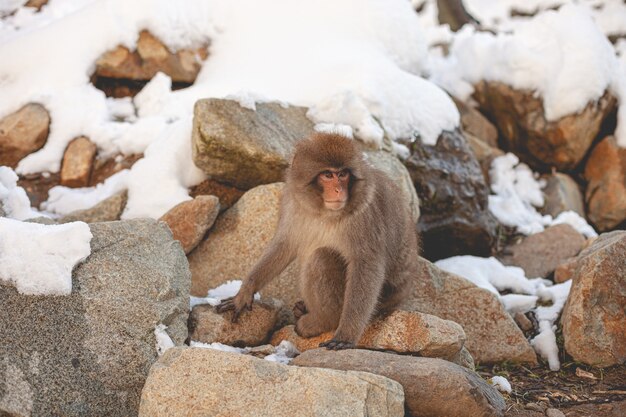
236, 304
333, 344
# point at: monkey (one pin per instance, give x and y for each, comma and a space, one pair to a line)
351, 231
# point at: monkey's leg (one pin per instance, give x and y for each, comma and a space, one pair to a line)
322, 289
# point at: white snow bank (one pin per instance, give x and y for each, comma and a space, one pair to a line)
13, 199
501, 383
309, 54
163, 340
562, 55
217, 294
517, 193
38, 259
490, 274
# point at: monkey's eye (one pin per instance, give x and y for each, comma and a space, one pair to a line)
326, 175
343, 174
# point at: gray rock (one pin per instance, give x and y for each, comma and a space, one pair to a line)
432, 387
41, 220
107, 210
453, 193
88, 353
562, 194
193, 381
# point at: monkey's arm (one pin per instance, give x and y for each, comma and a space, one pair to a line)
363, 287
276, 258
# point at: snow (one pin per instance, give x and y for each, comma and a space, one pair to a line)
501, 383
38, 259
283, 354
490, 274
518, 193
217, 294
163, 340
13, 199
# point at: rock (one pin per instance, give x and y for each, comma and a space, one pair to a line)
475, 124
553, 412
151, 57
519, 115
244, 147
88, 353
192, 381
432, 387
562, 194
594, 317
252, 329
78, 163
539, 254
463, 358
38, 185
190, 220
227, 195
106, 167
492, 335
401, 331
565, 270
22, 133
37, 4
237, 241
454, 216
484, 153
523, 322
606, 189
107, 210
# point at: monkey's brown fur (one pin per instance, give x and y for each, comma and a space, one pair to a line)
355, 262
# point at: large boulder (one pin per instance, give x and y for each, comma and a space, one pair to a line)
540, 254
606, 188
432, 387
88, 353
453, 193
22, 133
594, 317
519, 115
492, 335
247, 147
401, 331
194, 381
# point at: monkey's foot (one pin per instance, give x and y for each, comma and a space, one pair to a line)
299, 309
232, 304
337, 345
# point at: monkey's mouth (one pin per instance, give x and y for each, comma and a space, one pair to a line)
334, 205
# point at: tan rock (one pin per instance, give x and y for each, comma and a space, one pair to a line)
22, 133
38, 4
519, 115
606, 189
484, 153
252, 329
203, 382
594, 317
401, 331
432, 387
237, 241
190, 220
539, 254
565, 270
108, 210
523, 322
475, 124
227, 195
78, 163
562, 194
492, 335
151, 57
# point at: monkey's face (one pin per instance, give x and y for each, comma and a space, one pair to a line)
335, 186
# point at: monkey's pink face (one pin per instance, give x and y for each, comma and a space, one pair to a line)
335, 187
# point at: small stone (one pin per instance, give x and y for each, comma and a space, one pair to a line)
190, 220
78, 163
523, 322
565, 270
253, 327
553, 412
401, 331
22, 133
477, 125
535, 407
562, 194
107, 210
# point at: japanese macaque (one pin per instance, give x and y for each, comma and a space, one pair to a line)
349, 228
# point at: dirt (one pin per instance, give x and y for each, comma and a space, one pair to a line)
576, 390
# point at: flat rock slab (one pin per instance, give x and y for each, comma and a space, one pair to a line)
594, 317
492, 335
253, 327
401, 331
432, 387
206, 382
88, 353
540, 254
